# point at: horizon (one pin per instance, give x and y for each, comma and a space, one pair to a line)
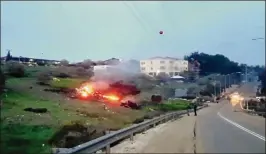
130, 30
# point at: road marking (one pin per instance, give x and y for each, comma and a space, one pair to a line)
243, 128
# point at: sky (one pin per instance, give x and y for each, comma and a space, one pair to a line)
130, 30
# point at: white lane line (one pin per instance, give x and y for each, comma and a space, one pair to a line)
243, 128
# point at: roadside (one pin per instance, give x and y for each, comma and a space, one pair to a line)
174, 136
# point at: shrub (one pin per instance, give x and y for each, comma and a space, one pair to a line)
62, 72
87, 64
15, 69
81, 72
39, 63
64, 62
44, 78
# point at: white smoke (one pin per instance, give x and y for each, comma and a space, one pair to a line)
125, 71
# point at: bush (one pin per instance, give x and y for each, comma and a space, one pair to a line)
82, 72
40, 63
44, 78
62, 72
15, 69
86, 64
70, 72
2, 81
64, 62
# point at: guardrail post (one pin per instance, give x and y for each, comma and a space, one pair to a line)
108, 149
131, 137
154, 125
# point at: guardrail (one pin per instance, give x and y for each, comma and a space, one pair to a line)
255, 112
251, 111
105, 141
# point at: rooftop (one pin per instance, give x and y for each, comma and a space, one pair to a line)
158, 57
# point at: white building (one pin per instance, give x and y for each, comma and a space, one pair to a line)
102, 67
168, 65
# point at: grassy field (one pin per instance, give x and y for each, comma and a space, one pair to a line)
172, 105
67, 82
36, 129
28, 132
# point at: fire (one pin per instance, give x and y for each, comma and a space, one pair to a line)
84, 94
111, 97
85, 90
88, 89
236, 99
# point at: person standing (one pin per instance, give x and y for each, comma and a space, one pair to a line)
195, 108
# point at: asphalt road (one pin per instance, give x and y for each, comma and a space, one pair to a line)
220, 130
216, 129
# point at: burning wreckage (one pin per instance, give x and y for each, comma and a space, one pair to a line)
116, 93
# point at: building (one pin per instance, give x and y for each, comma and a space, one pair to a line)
102, 67
30, 60
168, 65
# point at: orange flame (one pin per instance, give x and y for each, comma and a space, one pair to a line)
88, 89
84, 94
111, 97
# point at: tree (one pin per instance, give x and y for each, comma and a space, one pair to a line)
214, 63
87, 64
15, 69
8, 56
64, 62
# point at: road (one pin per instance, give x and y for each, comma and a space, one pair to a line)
220, 130
216, 129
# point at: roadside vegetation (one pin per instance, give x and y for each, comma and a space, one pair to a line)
33, 120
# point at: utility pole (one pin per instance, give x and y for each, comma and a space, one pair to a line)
225, 83
215, 89
246, 73
220, 88
229, 81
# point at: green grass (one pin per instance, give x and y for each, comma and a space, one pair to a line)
67, 82
172, 105
31, 71
26, 132
18, 138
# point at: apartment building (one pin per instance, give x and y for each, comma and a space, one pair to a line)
168, 65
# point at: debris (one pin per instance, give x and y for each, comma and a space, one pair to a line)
36, 110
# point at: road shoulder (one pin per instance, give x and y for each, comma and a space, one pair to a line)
171, 137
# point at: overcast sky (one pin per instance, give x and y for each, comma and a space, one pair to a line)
100, 30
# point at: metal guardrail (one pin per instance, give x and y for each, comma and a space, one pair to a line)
105, 141
255, 112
